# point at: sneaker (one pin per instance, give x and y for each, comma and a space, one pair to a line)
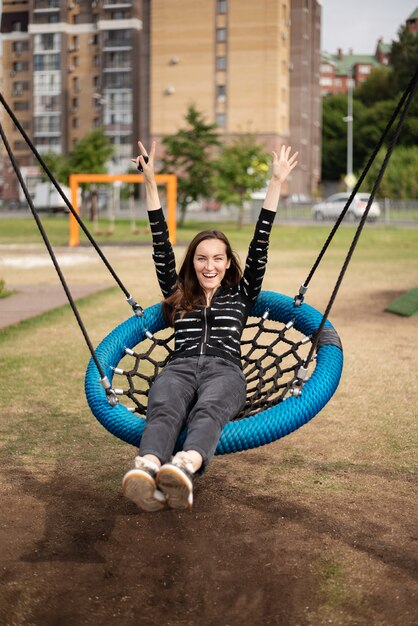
139, 486
175, 481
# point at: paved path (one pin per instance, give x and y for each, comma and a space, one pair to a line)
31, 300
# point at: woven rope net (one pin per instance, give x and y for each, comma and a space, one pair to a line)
272, 354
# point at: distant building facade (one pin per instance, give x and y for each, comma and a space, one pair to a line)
412, 22
337, 69
70, 67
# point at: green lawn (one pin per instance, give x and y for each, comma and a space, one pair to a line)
376, 242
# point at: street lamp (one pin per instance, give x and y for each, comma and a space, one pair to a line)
349, 179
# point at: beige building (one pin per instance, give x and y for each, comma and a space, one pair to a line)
249, 66
134, 66
229, 57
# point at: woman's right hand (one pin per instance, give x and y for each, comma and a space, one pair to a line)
146, 165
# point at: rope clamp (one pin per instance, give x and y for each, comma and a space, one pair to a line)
299, 381
111, 396
299, 298
137, 308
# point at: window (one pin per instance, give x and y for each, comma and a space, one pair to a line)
20, 66
48, 144
47, 41
47, 124
19, 145
326, 82
221, 63
118, 15
221, 119
221, 92
46, 103
43, 62
74, 103
76, 122
220, 35
221, 6
117, 59
20, 46
17, 26
76, 84
19, 87
21, 106
118, 80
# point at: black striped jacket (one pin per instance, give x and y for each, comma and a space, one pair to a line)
214, 330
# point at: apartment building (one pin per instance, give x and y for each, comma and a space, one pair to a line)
135, 66
69, 67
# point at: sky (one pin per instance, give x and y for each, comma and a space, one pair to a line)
358, 24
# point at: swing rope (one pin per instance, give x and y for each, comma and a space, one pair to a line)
103, 378
408, 93
137, 309
406, 102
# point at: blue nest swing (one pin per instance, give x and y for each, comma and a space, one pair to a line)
252, 431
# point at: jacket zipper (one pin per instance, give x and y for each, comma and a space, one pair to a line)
205, 331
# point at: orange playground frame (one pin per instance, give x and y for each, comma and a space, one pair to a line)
170, 180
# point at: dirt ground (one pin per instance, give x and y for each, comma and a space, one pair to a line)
318, 528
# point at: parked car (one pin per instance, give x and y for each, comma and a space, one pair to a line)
333, 205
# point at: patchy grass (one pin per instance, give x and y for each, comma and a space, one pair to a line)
4, 292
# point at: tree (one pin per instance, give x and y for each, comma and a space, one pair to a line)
404, 57
90, 155
378, 86
242, 168
189, 154
334, 137
400, 179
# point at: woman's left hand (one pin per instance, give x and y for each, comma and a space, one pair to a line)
283, 164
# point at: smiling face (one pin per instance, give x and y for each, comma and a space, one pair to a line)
210, 263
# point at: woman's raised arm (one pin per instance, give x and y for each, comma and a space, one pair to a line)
163, 254
282, 166
147, 166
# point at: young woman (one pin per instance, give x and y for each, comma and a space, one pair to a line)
202, 387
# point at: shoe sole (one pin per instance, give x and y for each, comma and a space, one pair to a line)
139, 487
176, 486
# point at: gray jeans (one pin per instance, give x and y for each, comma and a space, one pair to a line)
201, 393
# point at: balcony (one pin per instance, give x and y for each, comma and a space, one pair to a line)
117, 44
117, 4
46, 5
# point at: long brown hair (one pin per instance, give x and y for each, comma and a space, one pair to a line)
188, 294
